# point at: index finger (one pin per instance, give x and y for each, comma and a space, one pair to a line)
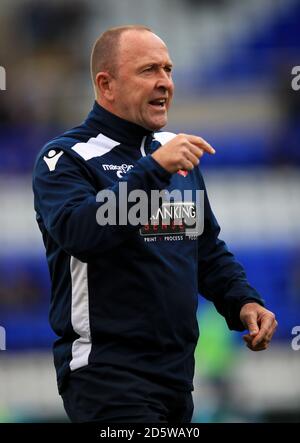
266, 330
198, 141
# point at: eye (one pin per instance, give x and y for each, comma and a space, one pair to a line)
148, 69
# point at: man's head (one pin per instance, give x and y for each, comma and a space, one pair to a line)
131, 71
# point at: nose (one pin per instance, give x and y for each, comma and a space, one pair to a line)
165, 81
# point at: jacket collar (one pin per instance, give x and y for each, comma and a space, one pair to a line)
115, 127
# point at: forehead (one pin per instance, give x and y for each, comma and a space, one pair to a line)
137, 47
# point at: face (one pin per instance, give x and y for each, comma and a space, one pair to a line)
143, 88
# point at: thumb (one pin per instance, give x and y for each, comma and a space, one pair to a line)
249, 317
252, 327
250, 322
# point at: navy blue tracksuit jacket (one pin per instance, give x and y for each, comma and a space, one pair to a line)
122, 296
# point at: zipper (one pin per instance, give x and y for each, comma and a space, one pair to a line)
142, 147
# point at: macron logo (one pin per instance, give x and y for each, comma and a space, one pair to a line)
52, 158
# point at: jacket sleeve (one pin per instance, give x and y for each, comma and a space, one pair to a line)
65, 202
221, 279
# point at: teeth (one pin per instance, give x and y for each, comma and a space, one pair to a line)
159, 102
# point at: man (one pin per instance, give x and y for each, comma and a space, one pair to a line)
124, 296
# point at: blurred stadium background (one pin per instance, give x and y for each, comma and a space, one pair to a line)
233, 62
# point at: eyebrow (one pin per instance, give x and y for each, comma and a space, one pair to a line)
144, 65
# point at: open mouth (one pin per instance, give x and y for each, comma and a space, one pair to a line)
158, 103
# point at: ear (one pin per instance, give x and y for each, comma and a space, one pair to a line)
104, 85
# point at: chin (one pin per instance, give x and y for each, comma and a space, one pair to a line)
155, 126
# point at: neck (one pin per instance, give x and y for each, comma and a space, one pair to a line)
116, 127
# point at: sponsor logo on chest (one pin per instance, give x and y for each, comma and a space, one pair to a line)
119, 169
